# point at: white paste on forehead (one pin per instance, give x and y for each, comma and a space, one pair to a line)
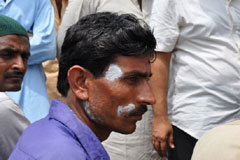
125, 109
113, 73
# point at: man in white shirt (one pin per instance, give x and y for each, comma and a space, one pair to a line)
201, 39
14, 54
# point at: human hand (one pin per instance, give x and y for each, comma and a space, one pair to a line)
162, 135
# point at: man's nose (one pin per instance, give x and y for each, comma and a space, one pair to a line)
146, 95
18, 63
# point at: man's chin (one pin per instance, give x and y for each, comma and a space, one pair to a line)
12, 88
128, 130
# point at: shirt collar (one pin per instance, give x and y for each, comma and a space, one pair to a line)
62, 113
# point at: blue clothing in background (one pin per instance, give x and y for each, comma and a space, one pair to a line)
37, 16
59, 136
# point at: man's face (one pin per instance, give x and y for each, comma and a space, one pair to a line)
14, 53
118, 99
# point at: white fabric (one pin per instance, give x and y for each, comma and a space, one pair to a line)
220, 143
204, 36
12, 124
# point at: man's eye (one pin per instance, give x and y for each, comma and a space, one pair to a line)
6, 55
132, 80
25, 56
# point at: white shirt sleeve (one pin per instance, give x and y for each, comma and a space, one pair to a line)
164, 22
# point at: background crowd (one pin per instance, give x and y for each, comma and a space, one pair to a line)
195, 81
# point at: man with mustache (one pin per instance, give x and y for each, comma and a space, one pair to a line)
139, 144
37, 17
104, 73
14, 53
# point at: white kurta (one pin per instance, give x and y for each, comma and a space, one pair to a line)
204, 36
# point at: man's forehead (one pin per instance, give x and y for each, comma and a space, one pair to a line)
128, 63
13, 41
127, 66
125, 59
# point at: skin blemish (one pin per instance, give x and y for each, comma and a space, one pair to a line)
125, 109
113, 73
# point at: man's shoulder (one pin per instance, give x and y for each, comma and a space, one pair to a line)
4, 97
49, 138
52, 151
8, 107
11, 115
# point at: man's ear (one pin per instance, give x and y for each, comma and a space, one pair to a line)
78, 81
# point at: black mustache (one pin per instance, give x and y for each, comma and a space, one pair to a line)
138, 111
14, 74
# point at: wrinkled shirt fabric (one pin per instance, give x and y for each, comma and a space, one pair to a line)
61, 135
12, 124
204, 36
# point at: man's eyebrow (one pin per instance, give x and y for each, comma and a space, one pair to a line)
13, 51
137, 74
8, 50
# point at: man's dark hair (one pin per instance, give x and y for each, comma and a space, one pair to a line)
96, 40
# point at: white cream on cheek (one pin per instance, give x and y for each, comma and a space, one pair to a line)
113, 73
89, 113
125, 109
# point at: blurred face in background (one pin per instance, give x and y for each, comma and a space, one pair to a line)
14, 54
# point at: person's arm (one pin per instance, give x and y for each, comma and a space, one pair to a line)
43, 41
162, 132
